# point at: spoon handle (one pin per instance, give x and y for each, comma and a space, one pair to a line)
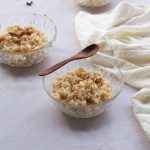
55, 67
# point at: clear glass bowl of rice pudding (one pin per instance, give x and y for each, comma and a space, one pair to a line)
81, 88
25, 38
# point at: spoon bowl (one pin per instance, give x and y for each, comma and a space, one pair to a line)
87, 52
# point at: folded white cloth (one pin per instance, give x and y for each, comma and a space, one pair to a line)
124, 36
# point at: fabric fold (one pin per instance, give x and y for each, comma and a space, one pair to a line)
141, 107
124, 37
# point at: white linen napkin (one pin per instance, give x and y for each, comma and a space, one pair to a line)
124, 36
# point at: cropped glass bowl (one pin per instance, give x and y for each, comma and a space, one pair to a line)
25, 59
93, 3
110, 73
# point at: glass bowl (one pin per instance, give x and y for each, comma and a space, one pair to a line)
25, 59
93, 3
110, 73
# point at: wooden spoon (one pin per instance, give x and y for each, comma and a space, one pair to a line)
85, 53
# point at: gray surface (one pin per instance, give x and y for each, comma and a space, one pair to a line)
28, 119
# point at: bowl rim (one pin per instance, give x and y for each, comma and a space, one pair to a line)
91, 105
49, 41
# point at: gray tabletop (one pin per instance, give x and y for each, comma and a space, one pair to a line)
29, 120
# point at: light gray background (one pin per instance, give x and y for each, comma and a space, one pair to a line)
28, 119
